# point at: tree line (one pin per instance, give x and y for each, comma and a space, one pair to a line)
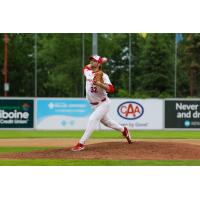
59, 59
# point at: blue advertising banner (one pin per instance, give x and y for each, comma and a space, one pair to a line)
61, 114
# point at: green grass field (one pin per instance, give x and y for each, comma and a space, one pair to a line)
61, 162
8, 134
138, 134
21, 149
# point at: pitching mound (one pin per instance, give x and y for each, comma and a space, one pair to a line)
139, 150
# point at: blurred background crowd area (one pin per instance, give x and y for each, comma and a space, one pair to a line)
141, 65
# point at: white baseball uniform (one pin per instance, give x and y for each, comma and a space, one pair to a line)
100, 104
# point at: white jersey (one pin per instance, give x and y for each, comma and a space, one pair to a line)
94, 93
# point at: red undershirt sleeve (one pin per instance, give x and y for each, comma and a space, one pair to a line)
111, 88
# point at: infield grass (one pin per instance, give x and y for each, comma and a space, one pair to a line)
21, 149
61, 162
137, 134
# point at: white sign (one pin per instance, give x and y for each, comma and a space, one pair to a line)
137, 114
6, 87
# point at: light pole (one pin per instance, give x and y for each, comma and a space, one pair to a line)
5, 69
35, 63
83, 63
175, 66
129, 91
94, 44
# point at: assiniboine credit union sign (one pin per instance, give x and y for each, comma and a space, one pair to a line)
16, 113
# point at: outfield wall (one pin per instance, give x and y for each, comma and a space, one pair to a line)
73, 113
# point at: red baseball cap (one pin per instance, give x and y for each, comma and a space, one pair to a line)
96, 58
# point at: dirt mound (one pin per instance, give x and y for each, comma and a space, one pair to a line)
139, 150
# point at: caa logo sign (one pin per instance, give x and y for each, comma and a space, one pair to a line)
130, 110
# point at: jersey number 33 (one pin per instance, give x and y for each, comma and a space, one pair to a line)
93, 89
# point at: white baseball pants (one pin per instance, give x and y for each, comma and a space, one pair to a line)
100, 114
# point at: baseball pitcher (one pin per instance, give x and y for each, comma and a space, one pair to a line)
97, 86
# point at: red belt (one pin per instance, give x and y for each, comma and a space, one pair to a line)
96, 103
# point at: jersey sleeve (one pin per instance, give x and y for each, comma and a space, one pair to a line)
107, 81
86, 71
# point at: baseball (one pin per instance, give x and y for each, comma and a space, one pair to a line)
104, 59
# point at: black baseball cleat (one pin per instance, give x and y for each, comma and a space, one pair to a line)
127, 135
